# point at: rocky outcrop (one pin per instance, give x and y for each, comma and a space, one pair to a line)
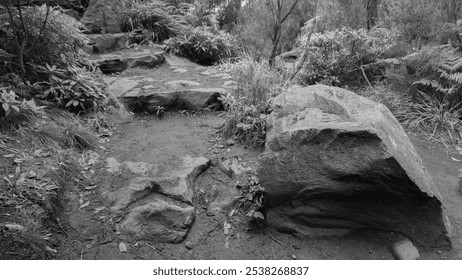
159, 207
102, 43
103, 16
158, 220
118, 62
148, 98
334, 159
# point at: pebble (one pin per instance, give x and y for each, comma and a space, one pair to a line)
190, 245
294, 257
405, 250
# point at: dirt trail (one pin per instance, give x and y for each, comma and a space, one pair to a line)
93, 233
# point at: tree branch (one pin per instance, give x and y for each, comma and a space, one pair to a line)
290, 11
307, 45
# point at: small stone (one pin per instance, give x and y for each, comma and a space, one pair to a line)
122, 247
370, 252
405, 250
190, 245
296, 247
294, 257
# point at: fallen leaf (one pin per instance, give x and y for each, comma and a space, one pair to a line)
90, 187
454, 159
8, 156
99, 209
51, 249
84, 205
259, 215
122, 247
227, 242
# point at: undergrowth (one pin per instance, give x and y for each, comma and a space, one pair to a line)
40, 156
203, 45
247, 105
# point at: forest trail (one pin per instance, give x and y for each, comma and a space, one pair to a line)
153, 145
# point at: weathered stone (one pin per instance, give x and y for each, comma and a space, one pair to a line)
114, 63
103, 16
334, 159
118, 115
158, 220
405, 250
108, 42
175, 180
182, 84
135, 190
189, 99
118, 87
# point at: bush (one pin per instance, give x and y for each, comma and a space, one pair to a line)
155, 16
248, 104
336, 57
51, 65
412, 20
430, 86
203, 45
49, 36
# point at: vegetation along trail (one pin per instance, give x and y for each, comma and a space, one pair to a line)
199, 129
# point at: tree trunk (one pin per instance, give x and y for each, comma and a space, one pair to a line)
371, 13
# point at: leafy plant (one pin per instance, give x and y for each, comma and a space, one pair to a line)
37, 35
14, 110
203, 45
247, 105
71, 87
337, 57
155, 16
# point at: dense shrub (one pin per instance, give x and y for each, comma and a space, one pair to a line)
248, 104
412, 19
203, 45
42, 47
157, 17
337, 57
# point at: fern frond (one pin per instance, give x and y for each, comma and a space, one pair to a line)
432, 83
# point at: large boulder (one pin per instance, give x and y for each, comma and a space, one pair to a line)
334, 159
103, 16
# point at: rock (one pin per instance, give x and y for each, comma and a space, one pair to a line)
189, 99
405, 250
118, 115
182, 84
108, 42
137, 189
103, 16
120, 86
114, 63
158, 220
175, 181
190, 245
334, 159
